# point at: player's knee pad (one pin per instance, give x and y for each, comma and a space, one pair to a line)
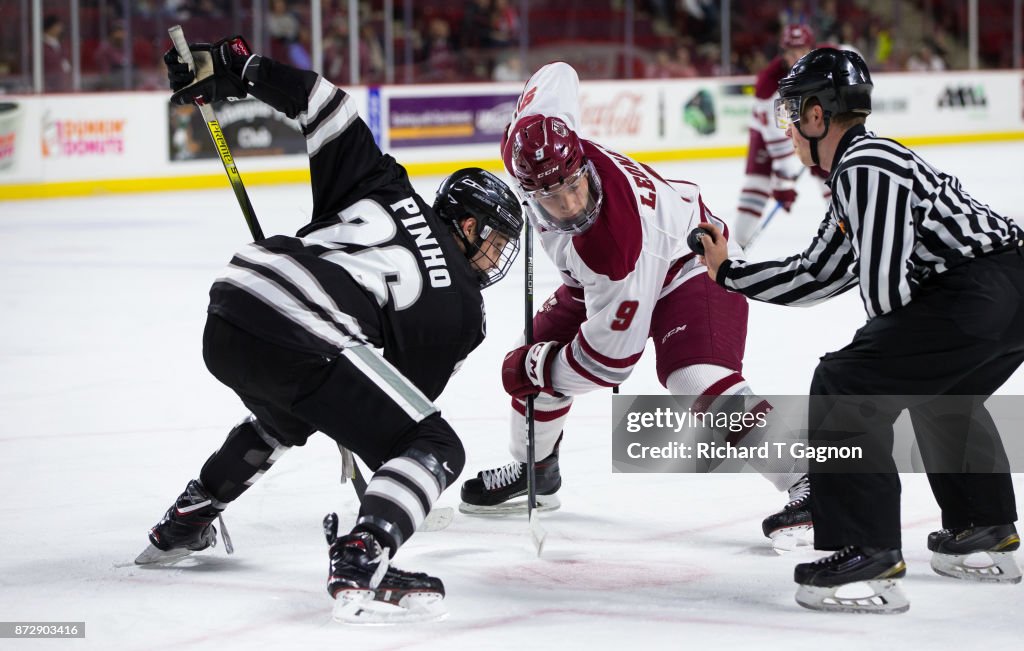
247, 453
434, 444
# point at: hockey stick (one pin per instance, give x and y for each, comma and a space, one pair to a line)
764, 224
220, 143
537, 532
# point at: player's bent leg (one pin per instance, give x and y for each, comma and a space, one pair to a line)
503, 490
187, 526
398, 497
757, 190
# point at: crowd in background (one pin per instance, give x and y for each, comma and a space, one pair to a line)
480, 40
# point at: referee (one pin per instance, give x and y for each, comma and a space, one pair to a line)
942, 278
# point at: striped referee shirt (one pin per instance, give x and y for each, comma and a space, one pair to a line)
894, 223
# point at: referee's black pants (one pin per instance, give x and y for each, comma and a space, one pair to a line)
963, 335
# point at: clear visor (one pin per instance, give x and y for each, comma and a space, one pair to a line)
572, 205
787, 111
494, 256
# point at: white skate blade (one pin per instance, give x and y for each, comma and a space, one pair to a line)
517, 507
789, 538
153, 556
881, 597
360, 608
437, 519
984, 567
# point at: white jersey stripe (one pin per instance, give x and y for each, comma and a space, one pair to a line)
391, 382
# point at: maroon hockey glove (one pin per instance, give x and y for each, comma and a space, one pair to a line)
217, 75
526, 370
784, 191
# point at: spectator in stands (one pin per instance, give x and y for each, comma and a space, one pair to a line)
477, 25
826, 22
56, 67
881, 44
504, 24
925, 60
795, 13
663, 13
707, 17
283, 27
509, 68
371, 55
672, 65
111, 59
299, 50
438, 55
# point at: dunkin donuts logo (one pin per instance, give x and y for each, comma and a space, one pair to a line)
74, 138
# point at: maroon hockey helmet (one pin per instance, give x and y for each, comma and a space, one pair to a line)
796, 37
563, 189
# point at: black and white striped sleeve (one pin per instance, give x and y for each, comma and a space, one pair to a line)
344, 160
828, 267
343, 155
876, 199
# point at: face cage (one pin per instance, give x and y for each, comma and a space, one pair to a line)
502, 262
787, 111
583, 219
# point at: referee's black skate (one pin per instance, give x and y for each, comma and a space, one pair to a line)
498, 491
976, 553
186, 527
368, 590
791, 527
853, 580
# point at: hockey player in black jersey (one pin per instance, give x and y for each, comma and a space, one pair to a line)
351, 328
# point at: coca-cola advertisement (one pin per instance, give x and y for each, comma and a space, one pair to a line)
620, 114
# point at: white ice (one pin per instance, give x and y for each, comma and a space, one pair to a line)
106, 411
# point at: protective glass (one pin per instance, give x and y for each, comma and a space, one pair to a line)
572, 206
787, 111
494, 256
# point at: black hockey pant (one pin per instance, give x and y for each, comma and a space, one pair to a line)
355, 398
962, 336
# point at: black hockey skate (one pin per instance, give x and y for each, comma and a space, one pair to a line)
878, 570
791, 527
367, 590
494, 492
976, 553
186, 527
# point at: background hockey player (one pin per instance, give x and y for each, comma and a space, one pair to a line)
772, 168
617, 232
942, 279
352, 328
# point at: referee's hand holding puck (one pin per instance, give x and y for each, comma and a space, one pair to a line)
710, 244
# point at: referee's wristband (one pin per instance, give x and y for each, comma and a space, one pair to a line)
723, 271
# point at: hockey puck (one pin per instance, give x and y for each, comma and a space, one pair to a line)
694, 240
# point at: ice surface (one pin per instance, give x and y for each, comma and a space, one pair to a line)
107, 411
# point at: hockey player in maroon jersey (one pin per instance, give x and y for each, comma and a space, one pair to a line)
772, 167
617, 233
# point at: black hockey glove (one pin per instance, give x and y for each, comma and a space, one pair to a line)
218, 72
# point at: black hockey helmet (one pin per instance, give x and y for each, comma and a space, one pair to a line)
838, 79
473, 192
